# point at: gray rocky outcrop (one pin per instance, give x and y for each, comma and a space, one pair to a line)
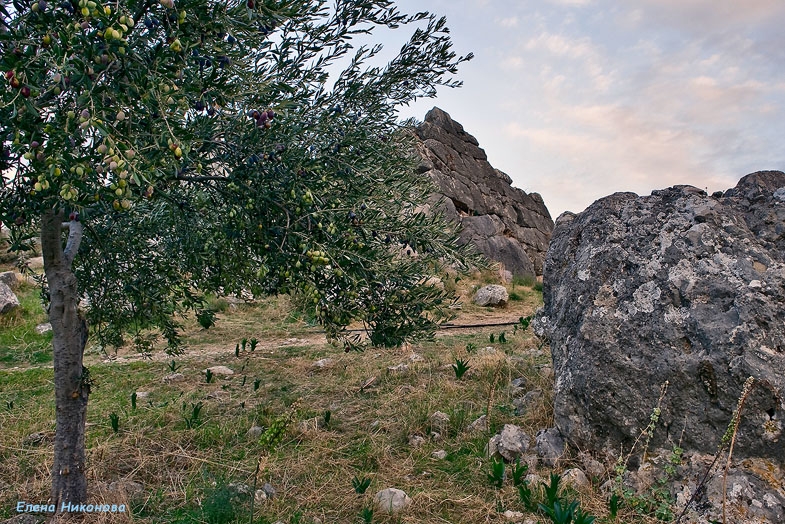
501, 221
677, 288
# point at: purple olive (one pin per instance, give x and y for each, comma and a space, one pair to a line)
270, 114
35, 144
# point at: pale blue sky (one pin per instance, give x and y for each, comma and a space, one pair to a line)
577, 99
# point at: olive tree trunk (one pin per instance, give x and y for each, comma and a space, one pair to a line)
71, 378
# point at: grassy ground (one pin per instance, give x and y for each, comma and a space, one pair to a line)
352, 419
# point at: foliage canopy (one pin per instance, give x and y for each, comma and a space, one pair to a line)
236, 147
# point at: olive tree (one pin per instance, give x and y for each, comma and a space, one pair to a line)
166, 149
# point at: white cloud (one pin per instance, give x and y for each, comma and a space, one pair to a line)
511, 21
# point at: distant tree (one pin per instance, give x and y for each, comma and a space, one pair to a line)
167, 149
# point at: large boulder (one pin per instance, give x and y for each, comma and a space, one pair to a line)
501, 221
676, 288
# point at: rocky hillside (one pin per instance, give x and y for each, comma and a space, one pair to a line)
502, 221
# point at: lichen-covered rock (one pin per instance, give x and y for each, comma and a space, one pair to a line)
8, 300
511, 443
501, 221
492, 295
680, 288
392, 501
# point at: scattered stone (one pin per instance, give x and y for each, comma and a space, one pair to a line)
255, 432
323, 363
414, 357
527, 402
220, 371
592, 467
549, 445
487, 351
510, 444
491, 295
440, 454
440, 422
519, 382
400, 369
501, 221
8, 300
643, 290
416, 441
38, 438
576, 478
239, 489
481, 424
10, 279
217, 394
43, 328
392, 501
436, 436
269, 490
513, 516
173, 377
129, 487
260, 497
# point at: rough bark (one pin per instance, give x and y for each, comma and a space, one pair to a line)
72, 383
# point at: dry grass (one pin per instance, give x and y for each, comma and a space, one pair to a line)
184, 469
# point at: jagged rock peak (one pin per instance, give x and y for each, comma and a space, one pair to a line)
503, 222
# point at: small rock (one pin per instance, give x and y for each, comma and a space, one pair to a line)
10, 279
492, 295
255, 432
36, 439
400, 369
129, 487
323, 363
481, 424
239, 489
392, 501
269, 490
576, 478
416, 441
217, 394
513, 516
140, 395
440, 454
436, 436
592, 466
173, 377
440, 421
259, 497
414, 357
8, 300
220, 370
519, 382
511, 443
549, 446
527, 402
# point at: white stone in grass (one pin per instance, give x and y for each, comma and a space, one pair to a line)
323, 363
10, 279
492, 295
481, 424
416, 441
43, 328
220, 370
511, 443
392, 501
400, 369
513, 516
440, 454
173, 377
440, 421
142, 395
260, 497
255, 432
414, 357
576, 478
